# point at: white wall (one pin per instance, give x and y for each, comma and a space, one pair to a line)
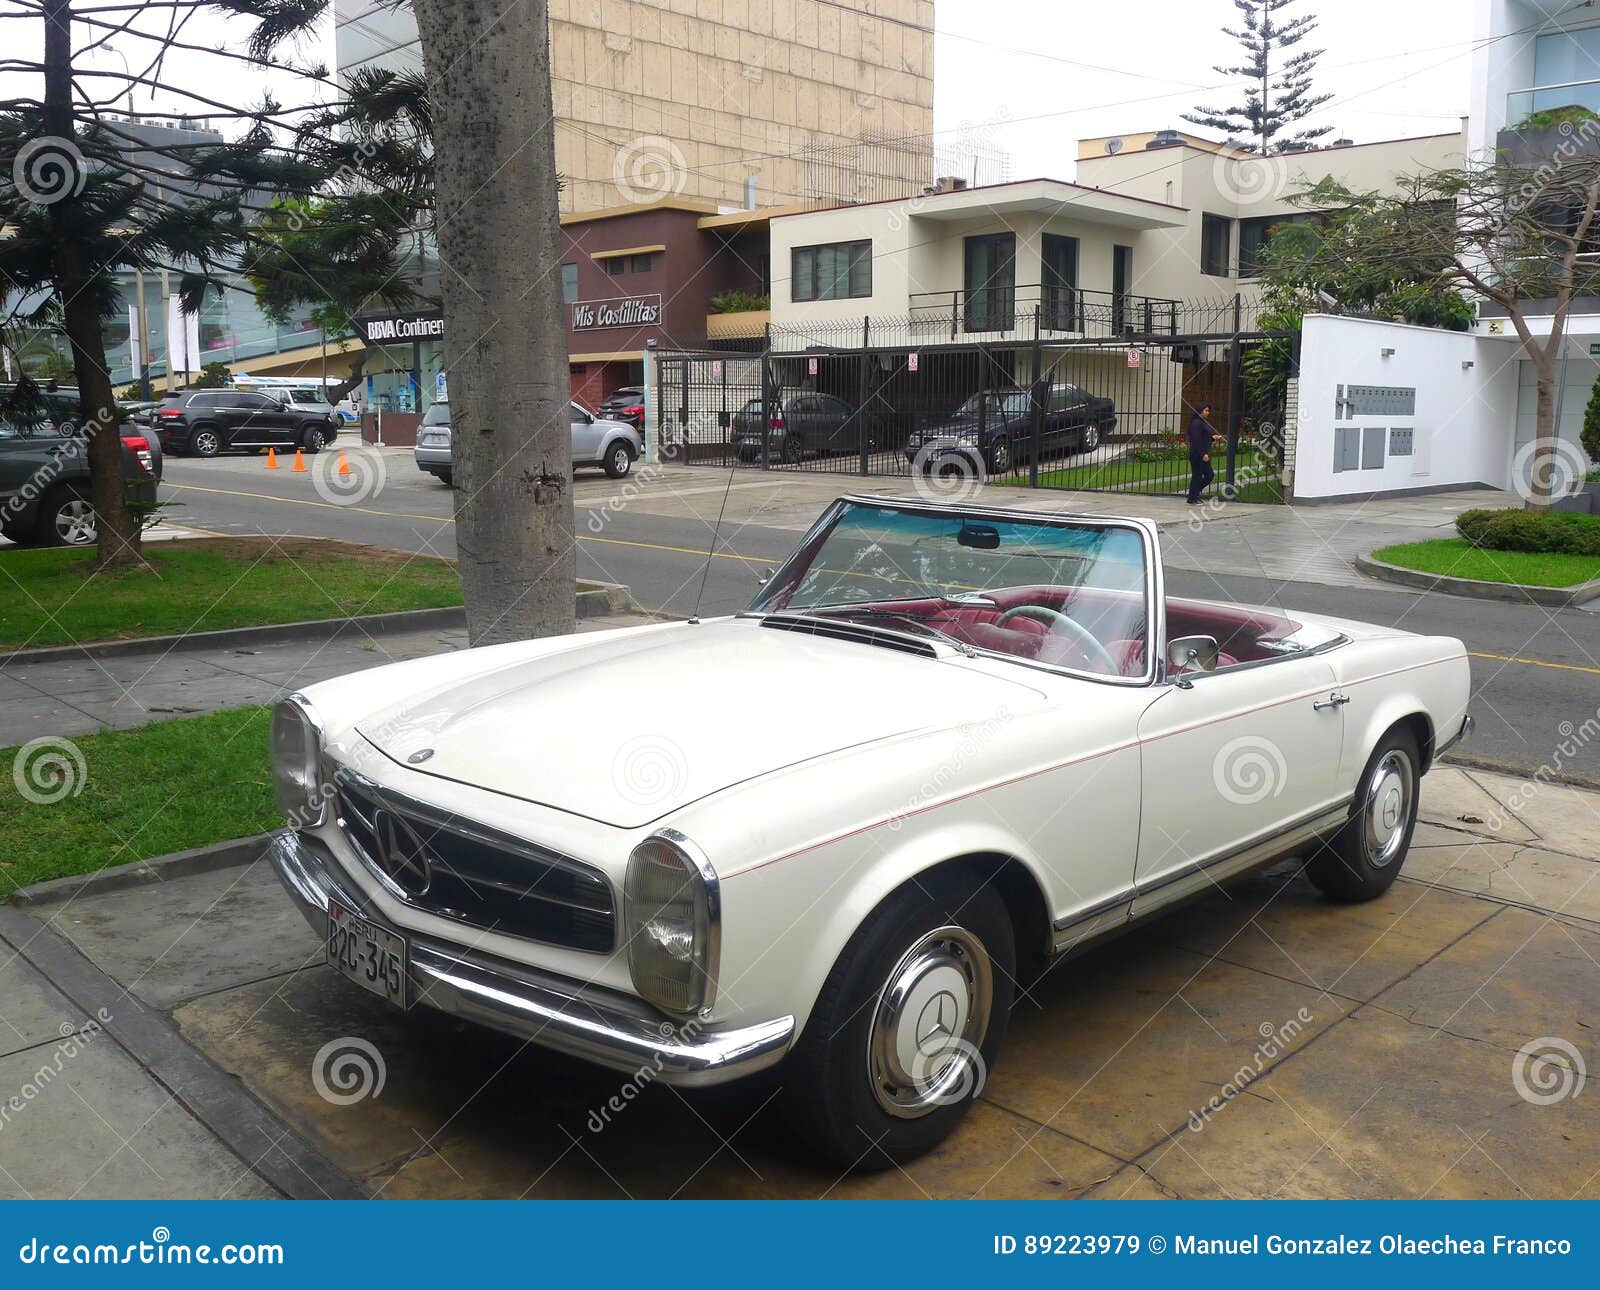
1464, 423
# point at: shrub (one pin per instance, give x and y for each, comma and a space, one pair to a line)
1551, 118
1539, 532
739, 302
1589, 436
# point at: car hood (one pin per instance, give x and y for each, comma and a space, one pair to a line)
629, 729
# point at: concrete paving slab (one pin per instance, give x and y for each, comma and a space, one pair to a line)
1452, 797
25, 719
88, 1123
171, 941
1566, 818
1514, 874
1380, 1107
113, 676
1518, 978
1128, 1041
32, 1011
1280, 923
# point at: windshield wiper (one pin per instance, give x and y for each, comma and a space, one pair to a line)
847, 611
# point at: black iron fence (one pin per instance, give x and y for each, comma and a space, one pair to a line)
1019, 403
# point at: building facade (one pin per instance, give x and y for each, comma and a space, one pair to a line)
735, 102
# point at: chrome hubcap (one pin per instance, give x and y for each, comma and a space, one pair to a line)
620, 460
1091, 438
205, 444
929, 1023
1388, 809
75, 522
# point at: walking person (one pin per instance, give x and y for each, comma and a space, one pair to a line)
1200, 470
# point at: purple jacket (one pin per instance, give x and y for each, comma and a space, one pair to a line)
1199, 435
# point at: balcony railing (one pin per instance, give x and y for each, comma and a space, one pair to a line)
1521, 104
1060, 309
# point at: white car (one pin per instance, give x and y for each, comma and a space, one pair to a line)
945, 746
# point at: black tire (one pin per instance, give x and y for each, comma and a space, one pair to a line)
314, 439
792, 451
833, 1093
747, 454
1090, 439
66, 518
447, 479
619, 460
1363, 859
1000, 456
204, 441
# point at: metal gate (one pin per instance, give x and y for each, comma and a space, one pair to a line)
1073, 397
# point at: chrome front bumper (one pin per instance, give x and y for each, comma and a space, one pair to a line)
600, 1026
1467, 724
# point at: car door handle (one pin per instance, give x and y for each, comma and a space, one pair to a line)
1334, 700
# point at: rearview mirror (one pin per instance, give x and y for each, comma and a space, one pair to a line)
979, 537
1192, 654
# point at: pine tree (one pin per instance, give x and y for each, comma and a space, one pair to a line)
1281, 94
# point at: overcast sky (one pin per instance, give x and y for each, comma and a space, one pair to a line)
1396, 67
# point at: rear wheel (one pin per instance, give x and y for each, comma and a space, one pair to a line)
619, 460
899, 1043
205, 442
1000, 456
1364, 858
1091, 438
792, 451
66, 518
447, 479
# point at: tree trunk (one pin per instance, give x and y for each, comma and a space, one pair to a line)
118, 527
1543, 463
488, 67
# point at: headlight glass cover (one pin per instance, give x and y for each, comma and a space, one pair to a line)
297, 763
672, 917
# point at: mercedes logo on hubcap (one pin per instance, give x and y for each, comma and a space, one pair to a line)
936, 1023
402, 853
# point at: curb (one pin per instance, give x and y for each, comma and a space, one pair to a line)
180, 864
594, 600
1512, 592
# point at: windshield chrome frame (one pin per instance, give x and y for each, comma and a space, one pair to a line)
1154, 577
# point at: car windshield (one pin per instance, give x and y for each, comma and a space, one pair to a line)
991, 403
1073, 594
437, 415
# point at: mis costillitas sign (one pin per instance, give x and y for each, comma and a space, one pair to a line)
629, 311
380, 329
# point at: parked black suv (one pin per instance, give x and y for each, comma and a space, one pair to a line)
44, 473
997, 425
625, 404
203, 423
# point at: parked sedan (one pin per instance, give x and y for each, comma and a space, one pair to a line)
1026, 746
996, 426
612, 445
202, 423
798, 426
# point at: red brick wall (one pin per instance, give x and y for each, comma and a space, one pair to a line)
589, 384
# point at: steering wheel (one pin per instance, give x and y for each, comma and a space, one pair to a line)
1086, 640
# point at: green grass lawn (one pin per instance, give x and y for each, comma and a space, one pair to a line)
140, 793
1458, 558
1170, 475
49, 597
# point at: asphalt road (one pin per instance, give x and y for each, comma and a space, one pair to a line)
1536, 673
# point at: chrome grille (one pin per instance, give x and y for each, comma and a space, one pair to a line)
438, 862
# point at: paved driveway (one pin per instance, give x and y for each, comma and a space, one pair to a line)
1261, 1043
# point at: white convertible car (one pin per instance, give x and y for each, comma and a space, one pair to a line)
945, 746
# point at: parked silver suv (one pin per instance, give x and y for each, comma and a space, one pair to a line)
612, 445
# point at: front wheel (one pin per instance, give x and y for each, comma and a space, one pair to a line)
66, 519
1091, 438
899, 1043
792, 451
313, 438
619, 460
1000, 457
1363, 859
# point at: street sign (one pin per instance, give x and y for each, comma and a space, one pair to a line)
911, 361
441, 388
716, 369
1134, 357
811, 366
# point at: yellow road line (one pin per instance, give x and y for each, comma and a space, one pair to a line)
1535, 662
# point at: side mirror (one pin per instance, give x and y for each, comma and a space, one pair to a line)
1192, 654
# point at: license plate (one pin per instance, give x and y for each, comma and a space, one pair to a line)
371, 956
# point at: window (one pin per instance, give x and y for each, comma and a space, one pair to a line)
832, 271
617, 266
990, 281
1060, 262
641, 263
1256, 234
1216, 242
569, 283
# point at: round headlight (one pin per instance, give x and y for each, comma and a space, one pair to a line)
297, 763
672, 917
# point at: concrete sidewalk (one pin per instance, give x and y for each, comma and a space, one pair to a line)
211, 1072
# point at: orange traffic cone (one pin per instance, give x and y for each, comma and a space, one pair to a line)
344, 466
299, 461
272, 459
